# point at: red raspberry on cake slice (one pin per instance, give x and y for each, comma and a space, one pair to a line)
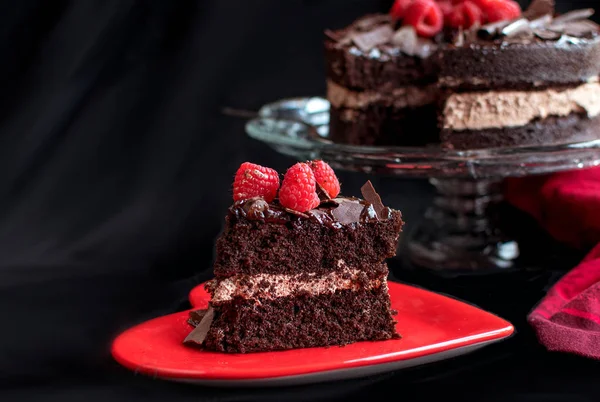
299, 189
325, 178
253, 180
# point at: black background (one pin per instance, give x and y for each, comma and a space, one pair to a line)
115, 170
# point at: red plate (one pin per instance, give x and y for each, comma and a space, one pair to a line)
433, 327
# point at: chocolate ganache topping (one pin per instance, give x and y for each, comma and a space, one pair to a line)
334, 213
540, 23
379, 35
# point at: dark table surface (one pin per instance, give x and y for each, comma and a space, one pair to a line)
116, 165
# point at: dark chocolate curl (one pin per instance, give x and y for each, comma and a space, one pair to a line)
198, 334
370, 195
196, 317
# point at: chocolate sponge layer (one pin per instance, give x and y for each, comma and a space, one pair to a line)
551, 130
302, 321
304, 245
527, 65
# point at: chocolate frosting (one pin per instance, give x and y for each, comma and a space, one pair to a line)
333, 213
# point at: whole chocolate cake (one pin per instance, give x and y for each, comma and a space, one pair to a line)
305, 269
469, 74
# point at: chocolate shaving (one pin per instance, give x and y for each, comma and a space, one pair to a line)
409, 43
322, 193
334, 202
581, 29
340, 199
198, 334
341, 39
546, 34
196, 317
538, 20
541, 22
574, 15
368, 192
516, 27
406, 40
368, 40
346, 40
297, 213
348, 212
539, 8
493, 29
333, 35
371, 21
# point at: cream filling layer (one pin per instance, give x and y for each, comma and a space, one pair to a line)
497, 109
409, 96
271, 286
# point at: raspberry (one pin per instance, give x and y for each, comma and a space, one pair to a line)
325, 176
426, 17
299, 189
465, 15
398, 10
483, 4
446, 6
500, 10
255, 181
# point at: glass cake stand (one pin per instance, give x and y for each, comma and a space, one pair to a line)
460, 232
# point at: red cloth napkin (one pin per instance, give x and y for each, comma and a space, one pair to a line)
567, 205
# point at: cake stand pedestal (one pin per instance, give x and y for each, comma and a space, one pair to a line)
461, 233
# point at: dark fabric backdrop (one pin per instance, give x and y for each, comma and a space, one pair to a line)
115, 172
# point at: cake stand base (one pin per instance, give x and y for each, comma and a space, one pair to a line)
461, 232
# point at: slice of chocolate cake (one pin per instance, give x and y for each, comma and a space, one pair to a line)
289, 279
487, 76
